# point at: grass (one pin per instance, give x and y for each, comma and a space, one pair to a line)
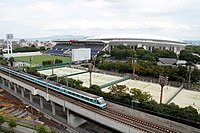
37, 59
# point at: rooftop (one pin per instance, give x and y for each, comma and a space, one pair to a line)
132, 37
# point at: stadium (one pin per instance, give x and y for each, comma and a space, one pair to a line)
108, 42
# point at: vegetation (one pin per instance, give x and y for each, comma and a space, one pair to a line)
42, 49
191, 53
12, 123
41, 129
26, 49
124, 53
147, 63
2, 120
50, 62
11, 60
2, 61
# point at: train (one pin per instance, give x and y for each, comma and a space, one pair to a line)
72, 92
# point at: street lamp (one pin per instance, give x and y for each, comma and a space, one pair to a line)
47, 91
190, 69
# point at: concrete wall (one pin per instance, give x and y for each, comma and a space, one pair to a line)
154, 119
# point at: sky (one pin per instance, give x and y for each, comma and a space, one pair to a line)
179, 19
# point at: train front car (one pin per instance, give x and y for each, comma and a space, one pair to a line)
101, 102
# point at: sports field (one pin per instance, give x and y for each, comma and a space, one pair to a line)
184, 98
37, 59
61, 71
97, 78
152, 88
188, 97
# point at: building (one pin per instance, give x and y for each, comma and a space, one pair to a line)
148, 42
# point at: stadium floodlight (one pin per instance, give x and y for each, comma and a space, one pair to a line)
9, 38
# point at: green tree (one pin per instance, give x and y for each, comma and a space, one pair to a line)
42, 48
11, 60
140, 96
41, 129
118, 89
2, 120
12, 123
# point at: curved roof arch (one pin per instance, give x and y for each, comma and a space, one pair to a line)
134, 37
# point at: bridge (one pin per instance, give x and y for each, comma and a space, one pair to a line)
71, 113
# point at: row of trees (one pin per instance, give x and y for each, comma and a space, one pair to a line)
123, 53
29, 49
50, 62
149, 69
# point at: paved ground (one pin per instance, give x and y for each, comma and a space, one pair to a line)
188, 97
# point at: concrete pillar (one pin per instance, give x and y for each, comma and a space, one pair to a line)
41, 103
22, 90
53, 108
9, 86
3, 82
68, 117
15, 88
31, 97
64, 108
175, 49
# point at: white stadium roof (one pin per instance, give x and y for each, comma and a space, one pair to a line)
133, 37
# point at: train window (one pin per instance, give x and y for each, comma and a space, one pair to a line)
91, 100
87, 98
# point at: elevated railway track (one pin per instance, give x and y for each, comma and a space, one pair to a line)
109, 112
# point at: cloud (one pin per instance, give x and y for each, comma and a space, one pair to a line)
35, 18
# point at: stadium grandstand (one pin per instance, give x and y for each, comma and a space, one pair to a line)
64, 48
108, 42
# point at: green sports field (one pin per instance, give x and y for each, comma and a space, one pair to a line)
37, 59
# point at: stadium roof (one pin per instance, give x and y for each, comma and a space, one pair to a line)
133, 37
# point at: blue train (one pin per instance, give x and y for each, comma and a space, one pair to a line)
83, 96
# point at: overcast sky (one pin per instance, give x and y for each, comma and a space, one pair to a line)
178, 19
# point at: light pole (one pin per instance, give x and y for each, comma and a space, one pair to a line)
162, 81
47, 90
52, 64
133, 66
90, 71
190, 69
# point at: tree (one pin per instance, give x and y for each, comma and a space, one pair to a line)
140, 96
41, 129
2, 120
11, 60
118, 89
42, 48
12, 123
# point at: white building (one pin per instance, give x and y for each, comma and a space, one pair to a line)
148, 42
